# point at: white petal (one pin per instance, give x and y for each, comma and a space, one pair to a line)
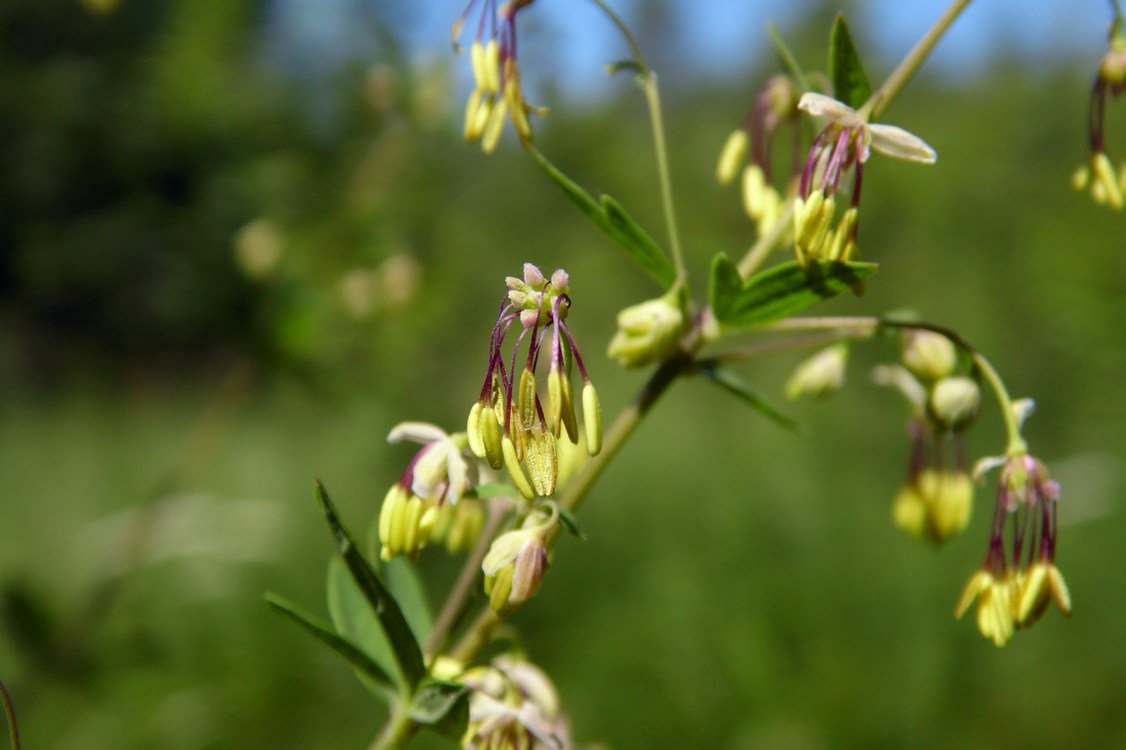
986, 465
897, 142
416, 432
829, 108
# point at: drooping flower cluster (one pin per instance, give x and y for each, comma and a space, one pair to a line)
845, 144
420, 507
1107, 186
936, 499
1014, 586
748, 150
513, 706
516, 562
497, 94
508, 425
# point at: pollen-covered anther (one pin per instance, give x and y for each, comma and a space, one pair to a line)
592, 419
542, 462
515, 472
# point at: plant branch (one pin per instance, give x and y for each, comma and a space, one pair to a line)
458, 600
870, 325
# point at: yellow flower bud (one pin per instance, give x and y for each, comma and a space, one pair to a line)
954, 402
648, 332
928, 355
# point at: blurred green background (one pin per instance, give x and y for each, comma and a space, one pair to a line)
220, 278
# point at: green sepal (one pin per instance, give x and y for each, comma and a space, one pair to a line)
407, 653
609, 216
786, 290
850, 82
789, 61
725, 287
735, 385
442, 707
326, 635
570, 522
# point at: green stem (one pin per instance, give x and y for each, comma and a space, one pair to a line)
397, 731
914, 60
10, 713
653, 99
458, 599
766, 244
478, 634
648, 81
870, 325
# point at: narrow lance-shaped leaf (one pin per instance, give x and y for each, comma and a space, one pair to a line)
789, 289
354, 619
609, 216
442, 707
408, 655
735, 385
850, 82
322, 632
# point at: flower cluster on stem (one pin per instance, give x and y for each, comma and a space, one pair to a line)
497, 94
1106, 184
843, 146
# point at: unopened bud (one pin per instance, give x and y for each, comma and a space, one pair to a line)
928, 355
649, 331
954, 402
820, 375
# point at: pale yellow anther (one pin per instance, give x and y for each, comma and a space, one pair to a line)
980, 581
816, 247
843, 235
592, 419
733, 154
480, 72
410, 525
527, 399
473, 431
490, 135
426, 523
1080, 178
490, 430
570, 421
481, 118
515, 472
909, 513
492, 66
542, 462
754, 192
514, 95
807, 218
1104, 176
555, 400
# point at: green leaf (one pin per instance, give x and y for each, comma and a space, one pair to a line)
611, 218
408, 655
355, 620
726, 286
733, 384
405, 584
788, 289
443, 707
571, 523
640, 246
850, 83
322, 632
